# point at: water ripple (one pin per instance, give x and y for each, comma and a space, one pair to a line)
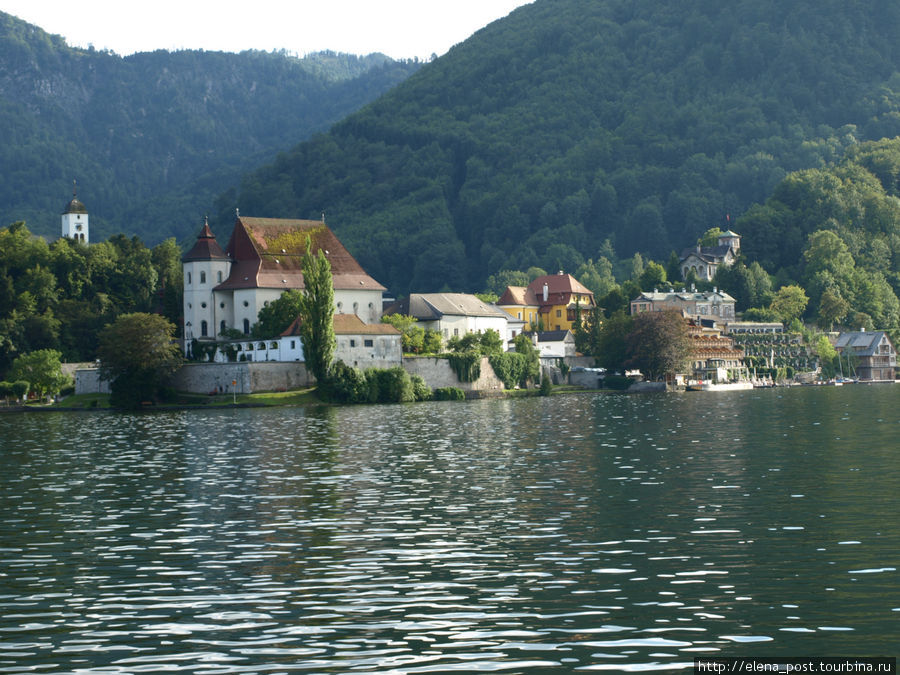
570, 533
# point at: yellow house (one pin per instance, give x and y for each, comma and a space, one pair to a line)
520, 303
560, 297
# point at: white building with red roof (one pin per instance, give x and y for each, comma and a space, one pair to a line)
225, 288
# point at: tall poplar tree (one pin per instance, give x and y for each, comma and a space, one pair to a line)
317, 311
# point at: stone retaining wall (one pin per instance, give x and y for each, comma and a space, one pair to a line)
438, 373
250, 377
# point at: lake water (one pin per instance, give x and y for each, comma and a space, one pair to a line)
579, 532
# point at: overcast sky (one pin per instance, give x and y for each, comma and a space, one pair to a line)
402, 29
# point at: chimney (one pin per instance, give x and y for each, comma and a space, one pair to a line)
546, 292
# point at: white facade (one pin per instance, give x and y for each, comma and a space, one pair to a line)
289, 348
364, 303
202, 308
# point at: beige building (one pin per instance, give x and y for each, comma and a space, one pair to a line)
713, 304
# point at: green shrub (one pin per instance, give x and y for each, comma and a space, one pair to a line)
546, 385
449, 394
345, 384
421, 390
391, 385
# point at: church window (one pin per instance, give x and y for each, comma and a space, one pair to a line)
202, 277
246, 304
204, 329
246, 326
189, 278
219, 276
203, 305
222, 326
221, 305
355, 307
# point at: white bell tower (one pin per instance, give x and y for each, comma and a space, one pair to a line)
75, 219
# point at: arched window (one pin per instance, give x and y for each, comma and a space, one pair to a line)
189, 278
222, 326
219, 276
246, 326
204, 328
202, 277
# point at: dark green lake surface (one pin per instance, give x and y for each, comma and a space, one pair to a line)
564, 534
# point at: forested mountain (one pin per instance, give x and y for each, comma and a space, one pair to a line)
152, 138
570, 122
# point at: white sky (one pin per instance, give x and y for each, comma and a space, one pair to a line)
401, 29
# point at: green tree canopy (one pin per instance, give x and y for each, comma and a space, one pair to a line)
138, 353
275, 317
789, 303
658, 344
42, 369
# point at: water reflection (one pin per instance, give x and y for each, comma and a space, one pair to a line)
581, 532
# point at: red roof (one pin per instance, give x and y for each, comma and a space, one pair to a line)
518, 295
206, 248
268, 253
560, 289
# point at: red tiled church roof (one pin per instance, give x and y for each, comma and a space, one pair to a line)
268, 253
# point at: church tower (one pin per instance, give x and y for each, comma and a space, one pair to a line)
205, 266
75, 219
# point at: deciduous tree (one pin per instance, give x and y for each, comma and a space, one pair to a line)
42, 369
658, 344
137, 354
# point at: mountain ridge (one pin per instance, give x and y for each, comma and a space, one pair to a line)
570, 122
143, 133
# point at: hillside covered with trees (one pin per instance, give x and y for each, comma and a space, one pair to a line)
152, 138
577, 122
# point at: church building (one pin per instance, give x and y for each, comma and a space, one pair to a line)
226, 288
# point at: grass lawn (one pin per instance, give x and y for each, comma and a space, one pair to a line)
271, 398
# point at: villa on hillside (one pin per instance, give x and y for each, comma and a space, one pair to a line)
226, 288
713, 304
704, 260
874, 353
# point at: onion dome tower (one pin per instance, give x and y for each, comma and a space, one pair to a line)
75, 219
